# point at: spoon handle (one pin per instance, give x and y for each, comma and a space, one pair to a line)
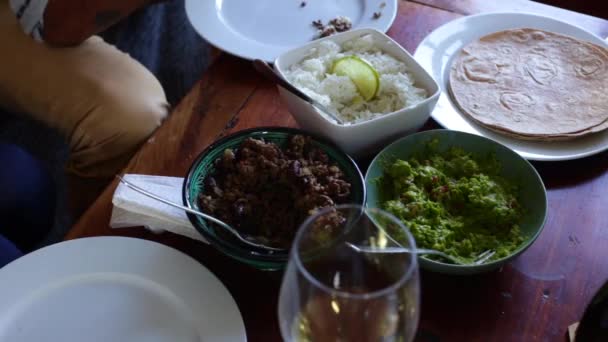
398, 250
265, 69
173, 204
196, 212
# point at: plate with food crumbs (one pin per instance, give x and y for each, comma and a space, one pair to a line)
532, 118
264, 29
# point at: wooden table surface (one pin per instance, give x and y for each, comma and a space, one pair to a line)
534, 298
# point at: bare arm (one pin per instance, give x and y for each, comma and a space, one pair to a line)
69, 22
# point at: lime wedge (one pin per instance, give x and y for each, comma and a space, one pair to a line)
363, 75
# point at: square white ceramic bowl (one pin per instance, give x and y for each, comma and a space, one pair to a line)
368, 137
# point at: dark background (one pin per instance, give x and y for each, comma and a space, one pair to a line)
594, 8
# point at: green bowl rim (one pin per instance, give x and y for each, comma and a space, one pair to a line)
496, 263
262, 261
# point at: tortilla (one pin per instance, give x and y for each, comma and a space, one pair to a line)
533, 84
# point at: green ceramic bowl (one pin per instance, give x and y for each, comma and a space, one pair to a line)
204, 165
516, 169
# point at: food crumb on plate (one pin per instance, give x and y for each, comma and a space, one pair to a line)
318, 24
335, 25
341, 23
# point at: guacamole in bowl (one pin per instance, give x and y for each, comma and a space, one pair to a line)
461, 194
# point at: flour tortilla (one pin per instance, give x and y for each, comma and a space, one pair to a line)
533, 84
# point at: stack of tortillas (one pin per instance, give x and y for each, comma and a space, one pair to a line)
533, 84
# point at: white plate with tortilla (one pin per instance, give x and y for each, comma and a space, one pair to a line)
439, 49
114, 289
265, 29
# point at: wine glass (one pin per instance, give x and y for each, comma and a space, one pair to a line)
332, 292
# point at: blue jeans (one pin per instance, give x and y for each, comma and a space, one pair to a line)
8, 251
27, 204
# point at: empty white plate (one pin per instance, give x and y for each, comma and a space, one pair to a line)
266, 28
114, 289
438, 50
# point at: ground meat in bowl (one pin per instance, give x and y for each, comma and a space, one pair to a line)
266, 191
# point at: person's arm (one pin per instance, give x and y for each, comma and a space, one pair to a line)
69, 22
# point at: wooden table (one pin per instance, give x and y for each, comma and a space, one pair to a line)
534, 298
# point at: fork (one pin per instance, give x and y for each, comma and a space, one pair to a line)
480, 259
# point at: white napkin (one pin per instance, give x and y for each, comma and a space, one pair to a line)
134, 209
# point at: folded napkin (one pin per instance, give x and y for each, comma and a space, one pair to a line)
134, 209
572, 332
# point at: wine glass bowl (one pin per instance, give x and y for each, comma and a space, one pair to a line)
331, 292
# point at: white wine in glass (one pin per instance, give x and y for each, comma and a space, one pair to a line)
332, 292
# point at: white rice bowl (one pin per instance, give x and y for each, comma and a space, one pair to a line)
340, 95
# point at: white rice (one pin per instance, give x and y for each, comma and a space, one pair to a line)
339, 94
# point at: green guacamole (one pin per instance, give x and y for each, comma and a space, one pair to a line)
454, 203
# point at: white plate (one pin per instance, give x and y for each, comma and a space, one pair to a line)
266, 28
439, 48
114, 289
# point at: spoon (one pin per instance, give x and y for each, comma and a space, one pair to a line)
227, 227
480, 259
270, 74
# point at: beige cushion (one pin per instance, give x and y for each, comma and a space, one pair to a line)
104, 102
